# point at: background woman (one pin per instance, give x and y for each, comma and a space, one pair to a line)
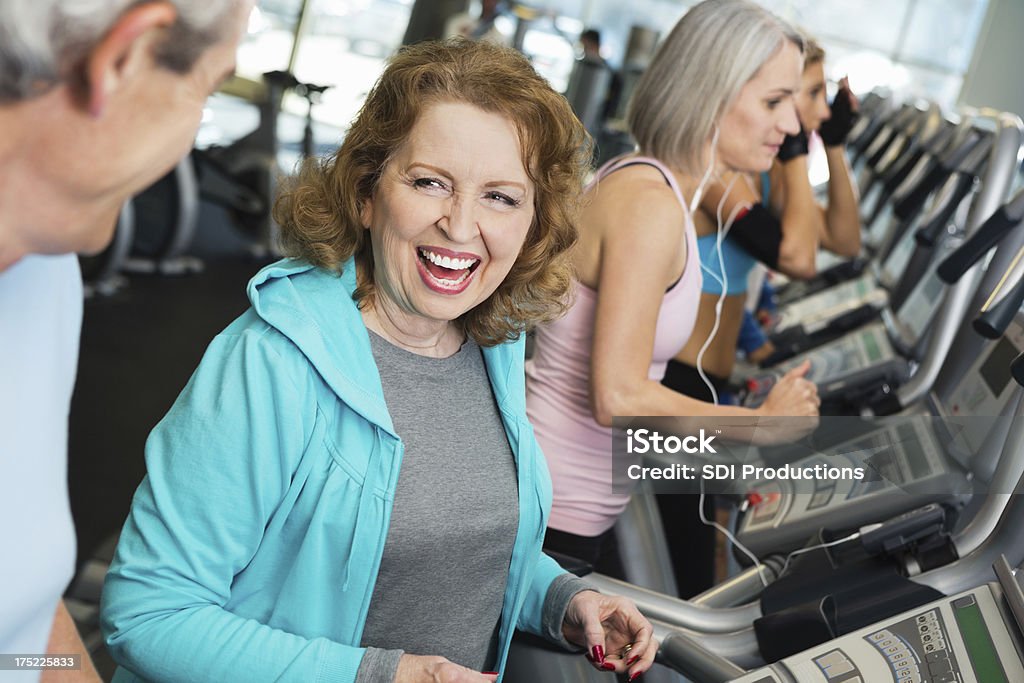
777, 222
717, 96
348, 488
771, 217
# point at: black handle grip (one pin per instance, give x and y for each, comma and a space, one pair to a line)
899, 171
1005, 219
890, 139
907, 206
994, 321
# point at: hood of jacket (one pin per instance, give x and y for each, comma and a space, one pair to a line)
313, 307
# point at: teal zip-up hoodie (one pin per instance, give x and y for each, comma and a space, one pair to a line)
252, 546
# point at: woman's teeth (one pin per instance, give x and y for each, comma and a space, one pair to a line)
447, 261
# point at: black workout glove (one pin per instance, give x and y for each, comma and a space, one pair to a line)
834, 131
759, 233
793, 146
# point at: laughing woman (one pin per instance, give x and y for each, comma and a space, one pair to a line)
348, 488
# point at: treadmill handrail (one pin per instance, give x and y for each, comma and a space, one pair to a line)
953, 192
951, 322
1004, 220
907, 205
932, 138
743, 587
1004, 301
696, 662
681, 613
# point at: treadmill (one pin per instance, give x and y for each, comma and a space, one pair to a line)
905, 139
936, 135
831, 312
851, 371
936, 158
864, 367
709, 639
899, 174
976, 636
932, 453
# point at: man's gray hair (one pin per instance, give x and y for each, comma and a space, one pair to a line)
696, 74
42, 42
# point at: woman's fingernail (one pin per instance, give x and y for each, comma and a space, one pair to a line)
634, 676
608, 666
598, 653
632, 660
489, 673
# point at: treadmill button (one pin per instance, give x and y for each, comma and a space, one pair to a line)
944, 678
965, 601
820, 498
834, 664
935, 656
879, 636
940, 667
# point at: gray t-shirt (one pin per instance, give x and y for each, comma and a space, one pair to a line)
453, 523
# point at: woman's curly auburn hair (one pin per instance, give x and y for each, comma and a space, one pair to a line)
319, 209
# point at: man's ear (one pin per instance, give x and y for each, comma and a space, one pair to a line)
127, 45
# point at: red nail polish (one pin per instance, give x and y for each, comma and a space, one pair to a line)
633, 677
632, 660
608, 666
598, 653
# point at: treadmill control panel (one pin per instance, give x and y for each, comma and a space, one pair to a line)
983, 392
921, 306
899, 257
855, 356
832, 302
901, 458
964, 639
917, 650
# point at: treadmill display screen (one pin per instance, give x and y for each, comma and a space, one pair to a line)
871, 346
977, 639
996, 368
932, 290
914, 451
884, 459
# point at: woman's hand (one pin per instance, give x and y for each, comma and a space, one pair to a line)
793, 395
421, 669
845, 108
616, 636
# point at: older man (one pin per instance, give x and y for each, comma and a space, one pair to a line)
98, 99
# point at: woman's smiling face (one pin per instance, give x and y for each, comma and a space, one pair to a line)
449, 215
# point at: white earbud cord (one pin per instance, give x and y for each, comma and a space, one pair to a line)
721, 233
